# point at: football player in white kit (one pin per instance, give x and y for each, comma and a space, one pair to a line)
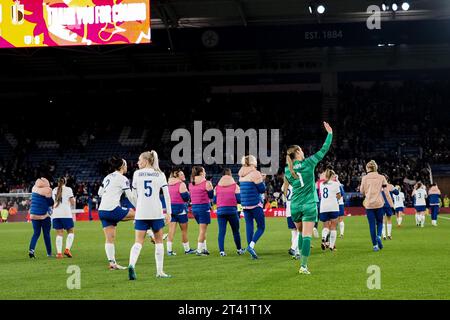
399, 205
110, 212
287, 193
62, 218
341, 208
419, 195
148, 182
329, 208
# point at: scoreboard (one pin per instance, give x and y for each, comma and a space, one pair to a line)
41, 23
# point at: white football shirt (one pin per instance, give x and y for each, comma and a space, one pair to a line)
112, 188
147, 184
421, 195
399, 200
328, 196
288, 201
63, 210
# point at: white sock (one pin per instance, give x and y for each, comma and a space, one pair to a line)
134, 254
417, 218
204, 245
150, 233
59, 243
325, 232
252, 245
341, 227
159, 257
185, 246
384, 231
69, 240
389, 229
399, 221
333, 236
200, 247
110, 252
423, 220
169, 246
434, 222
294, 239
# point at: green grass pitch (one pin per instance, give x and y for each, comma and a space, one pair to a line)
414, 265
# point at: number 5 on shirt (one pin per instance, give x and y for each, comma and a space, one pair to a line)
148, 187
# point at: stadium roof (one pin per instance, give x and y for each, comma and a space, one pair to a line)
220, 13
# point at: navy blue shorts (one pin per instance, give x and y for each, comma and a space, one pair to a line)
179, 218
203, 217
63, 223
399, 209
144, 225
420, 208
341, 210
327, 216
387, 211
112, 218
290, 223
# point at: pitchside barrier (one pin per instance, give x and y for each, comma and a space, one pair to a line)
18, 205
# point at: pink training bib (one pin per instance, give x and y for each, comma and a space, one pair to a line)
226, 196
175, 196
199, 195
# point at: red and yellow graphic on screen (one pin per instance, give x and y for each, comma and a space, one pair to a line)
40, 23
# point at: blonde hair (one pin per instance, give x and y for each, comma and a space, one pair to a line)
398, 188
249, 160
372, 166
329, 174
290, 159
152, 158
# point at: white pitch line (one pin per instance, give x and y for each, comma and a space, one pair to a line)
444, 218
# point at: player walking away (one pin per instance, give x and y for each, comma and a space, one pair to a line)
300, 174
227, 197
41, 201
252, 187
202, 192
434, 195
388, 208
341, 208
62, 217
287, 193
419, 195
148, 182
371, 185
330, 194
110, 212
318, 183
399, 205
179, 196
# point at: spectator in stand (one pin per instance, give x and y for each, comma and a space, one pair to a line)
446, 201
4, 214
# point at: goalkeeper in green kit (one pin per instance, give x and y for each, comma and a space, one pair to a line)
299, 173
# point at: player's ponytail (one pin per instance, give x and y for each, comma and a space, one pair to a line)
196, 171
175, 172
329, 174
372, 166
290, 159
58, 198
152, 159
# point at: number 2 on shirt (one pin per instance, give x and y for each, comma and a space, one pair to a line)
148, 187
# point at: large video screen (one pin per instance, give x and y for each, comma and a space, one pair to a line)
41, 23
